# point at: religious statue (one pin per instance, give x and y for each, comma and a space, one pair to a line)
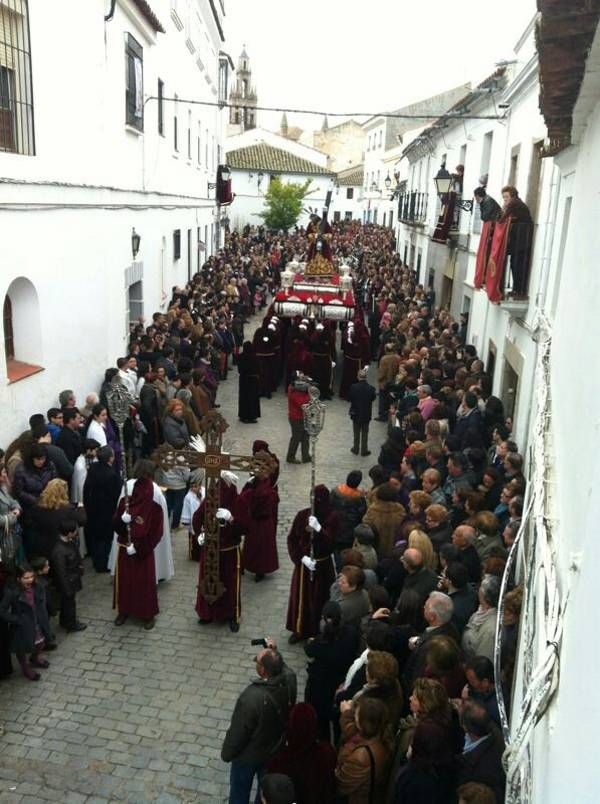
319, 233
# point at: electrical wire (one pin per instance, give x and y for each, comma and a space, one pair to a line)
390, 115
24, 206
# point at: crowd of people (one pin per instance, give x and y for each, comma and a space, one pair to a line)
395, 588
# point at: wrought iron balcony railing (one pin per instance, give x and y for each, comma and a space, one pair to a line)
412, 207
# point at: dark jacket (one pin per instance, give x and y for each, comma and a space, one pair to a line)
258, 722
465, 603
489, 209
28, 484
45, 525
66, 566
472, 421
484, 765
328, 663
423, 582
362, 396
64, 467
440, 535
71, 444
350, 510
417, 662
15, 611
470, 558
100, 495
175, 432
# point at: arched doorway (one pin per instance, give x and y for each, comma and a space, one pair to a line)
22, 329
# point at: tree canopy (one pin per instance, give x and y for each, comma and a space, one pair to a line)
283, 204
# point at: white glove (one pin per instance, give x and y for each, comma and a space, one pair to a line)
314, 523
266, 340
332, 364
309, 563
201, 539
223, 513
130, 550
125, 517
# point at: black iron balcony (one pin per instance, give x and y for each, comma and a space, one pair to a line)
412, 207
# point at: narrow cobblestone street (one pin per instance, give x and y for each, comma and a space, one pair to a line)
128, 715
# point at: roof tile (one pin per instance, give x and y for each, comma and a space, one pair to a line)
262, 156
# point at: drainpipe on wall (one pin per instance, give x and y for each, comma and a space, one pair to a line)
111, 13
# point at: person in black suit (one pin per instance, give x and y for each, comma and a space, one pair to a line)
462, 594
437, 611
481, 760
362, 396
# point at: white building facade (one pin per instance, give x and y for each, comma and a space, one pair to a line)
347, 199
541, 351
496, 133
256, 157
556, 700
118, 148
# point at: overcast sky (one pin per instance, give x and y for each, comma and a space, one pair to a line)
351, 56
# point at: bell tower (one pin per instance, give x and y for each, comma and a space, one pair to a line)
242, 99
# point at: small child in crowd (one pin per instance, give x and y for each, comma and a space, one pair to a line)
191, 503
67, 569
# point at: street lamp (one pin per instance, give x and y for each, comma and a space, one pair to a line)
443, 184
135, 243
259, 178
387, 182
225, 173
443, 181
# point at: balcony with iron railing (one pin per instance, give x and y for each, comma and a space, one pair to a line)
412, 208
504, 264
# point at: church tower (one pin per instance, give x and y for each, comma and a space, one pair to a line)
242, 99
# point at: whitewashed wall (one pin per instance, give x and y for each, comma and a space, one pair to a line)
249, 197
564, 747
92, 180
342, 204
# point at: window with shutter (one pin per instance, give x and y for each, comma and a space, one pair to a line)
134, 83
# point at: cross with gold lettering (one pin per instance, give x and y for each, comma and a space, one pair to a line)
213, 461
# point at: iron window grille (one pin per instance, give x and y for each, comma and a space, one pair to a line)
16, 91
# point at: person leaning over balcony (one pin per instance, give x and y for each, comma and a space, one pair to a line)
489, 208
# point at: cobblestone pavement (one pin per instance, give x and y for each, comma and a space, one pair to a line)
128, 715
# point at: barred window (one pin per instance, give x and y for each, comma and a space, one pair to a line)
16, 94
134, 83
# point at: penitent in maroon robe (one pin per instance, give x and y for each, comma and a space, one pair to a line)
229, 606
308, 595
260, 500
135, 576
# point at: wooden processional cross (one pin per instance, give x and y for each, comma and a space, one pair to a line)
213, 461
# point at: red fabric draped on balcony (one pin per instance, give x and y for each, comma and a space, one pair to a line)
497, 260
445, 220
483, 253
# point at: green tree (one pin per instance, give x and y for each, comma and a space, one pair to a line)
283, 204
